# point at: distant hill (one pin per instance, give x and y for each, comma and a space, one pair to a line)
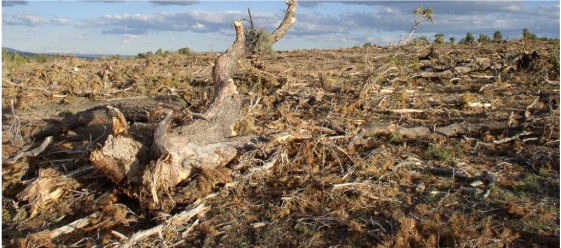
11, 50
77, 55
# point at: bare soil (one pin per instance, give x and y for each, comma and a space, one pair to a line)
423, 146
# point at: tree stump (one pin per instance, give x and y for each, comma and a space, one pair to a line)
152, 171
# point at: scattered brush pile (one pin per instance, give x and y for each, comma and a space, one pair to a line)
406, 146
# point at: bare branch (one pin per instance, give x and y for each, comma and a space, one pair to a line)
31, 153
289, 19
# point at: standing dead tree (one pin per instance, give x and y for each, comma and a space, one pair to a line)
209, 142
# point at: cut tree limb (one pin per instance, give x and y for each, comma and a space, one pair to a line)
451, 130
47, 236
137, 109
505, 140
174, 221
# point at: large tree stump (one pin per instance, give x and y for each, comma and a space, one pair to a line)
209, 142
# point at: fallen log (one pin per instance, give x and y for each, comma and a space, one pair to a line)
452, 130
97, 120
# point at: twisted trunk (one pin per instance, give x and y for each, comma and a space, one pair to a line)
209, 142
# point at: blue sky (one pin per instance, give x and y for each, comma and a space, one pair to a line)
130, 27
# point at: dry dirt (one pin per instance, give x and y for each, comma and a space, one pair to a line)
393, 147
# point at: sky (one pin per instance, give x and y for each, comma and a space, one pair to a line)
130, 27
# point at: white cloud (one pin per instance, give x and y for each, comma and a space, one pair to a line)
184, 2
452, 18
60, 21
197, 21
132, 36
24, 19
198, 26
77, 36
129, 38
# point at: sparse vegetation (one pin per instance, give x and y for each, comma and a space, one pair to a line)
439, 38
452, 40
527, 35
349, 168
422, 40
443, 152
258, 41
184, 51
469, 39
497, 36
483, 38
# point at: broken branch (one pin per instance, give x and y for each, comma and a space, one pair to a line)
31, 153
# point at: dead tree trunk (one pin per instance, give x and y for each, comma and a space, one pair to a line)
209, 142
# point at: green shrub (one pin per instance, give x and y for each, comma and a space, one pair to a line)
497, 36
452, 40
469, 39
483, 38
259, 41
185, 51
526, 35
443, 153
439, 38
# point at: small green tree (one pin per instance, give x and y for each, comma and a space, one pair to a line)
526, 35
42, 58
159, 52
16, 57
422, 40
367, 44
184, 51
483, 38
13, 60
469, 39
497, 36
439, 38
452, 40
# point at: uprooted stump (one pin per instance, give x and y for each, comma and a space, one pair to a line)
208, 142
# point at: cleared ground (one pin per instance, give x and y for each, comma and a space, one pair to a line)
412, 146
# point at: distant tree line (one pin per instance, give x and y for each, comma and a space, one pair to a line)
470, 38
15, 57
160, 53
